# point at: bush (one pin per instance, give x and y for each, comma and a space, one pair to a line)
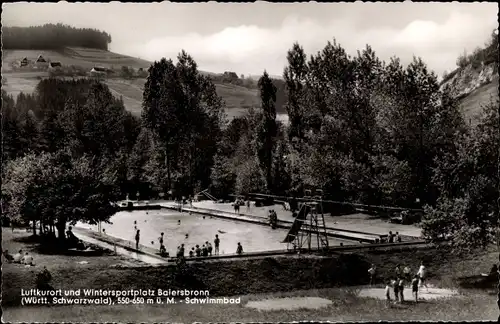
462, 60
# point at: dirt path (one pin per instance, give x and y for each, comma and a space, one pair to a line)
423, 294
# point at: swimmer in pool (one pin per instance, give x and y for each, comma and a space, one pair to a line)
187, 235
179, 222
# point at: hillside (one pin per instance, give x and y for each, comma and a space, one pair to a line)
475, 81
475, 87
16, 79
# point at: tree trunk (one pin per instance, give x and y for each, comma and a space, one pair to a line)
34, 227
498, 219
61, 228
167, 162
498, 288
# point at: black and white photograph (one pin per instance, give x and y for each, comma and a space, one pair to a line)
250, 162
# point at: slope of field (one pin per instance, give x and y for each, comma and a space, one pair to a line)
82, 57
237, 98
473, 103
475, 87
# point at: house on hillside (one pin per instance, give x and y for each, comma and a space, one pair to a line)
100, 72
40, 59
55, 66
41, 62
24, 62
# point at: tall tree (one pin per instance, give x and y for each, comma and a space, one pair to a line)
11, 128
182, 107
295, 76
267, 91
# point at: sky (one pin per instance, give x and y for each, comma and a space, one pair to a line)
248, 38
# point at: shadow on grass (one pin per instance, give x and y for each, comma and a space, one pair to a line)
46, 245
31, 239
478, 282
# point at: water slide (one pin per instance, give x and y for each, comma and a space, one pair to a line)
297, 224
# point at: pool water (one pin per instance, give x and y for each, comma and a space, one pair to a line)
253, 237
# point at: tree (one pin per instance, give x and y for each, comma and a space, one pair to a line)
295, 76
183, 109
126, 72
413, 109
223, 177
139, 158
30, 132
281, 178
268, 131
468, 179
463, 60
11, 128
249, 177
57, 189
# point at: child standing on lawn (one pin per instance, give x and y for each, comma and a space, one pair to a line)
401, 288
396, 289
422, 275
414, 286
388, 294
372, 272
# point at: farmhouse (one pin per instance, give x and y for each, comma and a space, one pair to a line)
98, 71
40, 59
55, 65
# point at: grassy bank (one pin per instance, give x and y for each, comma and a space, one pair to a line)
243, 277
346, 307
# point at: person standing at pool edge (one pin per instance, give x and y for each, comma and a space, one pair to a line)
161, 238
239, 249
216, 244
137, 238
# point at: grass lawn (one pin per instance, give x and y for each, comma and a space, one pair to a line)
345, 307
251, 279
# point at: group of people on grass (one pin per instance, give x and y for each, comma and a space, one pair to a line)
19, 257
401, 278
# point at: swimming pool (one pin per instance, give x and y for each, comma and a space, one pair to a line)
253, 237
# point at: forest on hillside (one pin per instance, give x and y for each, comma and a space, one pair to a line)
487, 54
53, 37
363, 130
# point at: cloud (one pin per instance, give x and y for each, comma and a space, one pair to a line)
251, 49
